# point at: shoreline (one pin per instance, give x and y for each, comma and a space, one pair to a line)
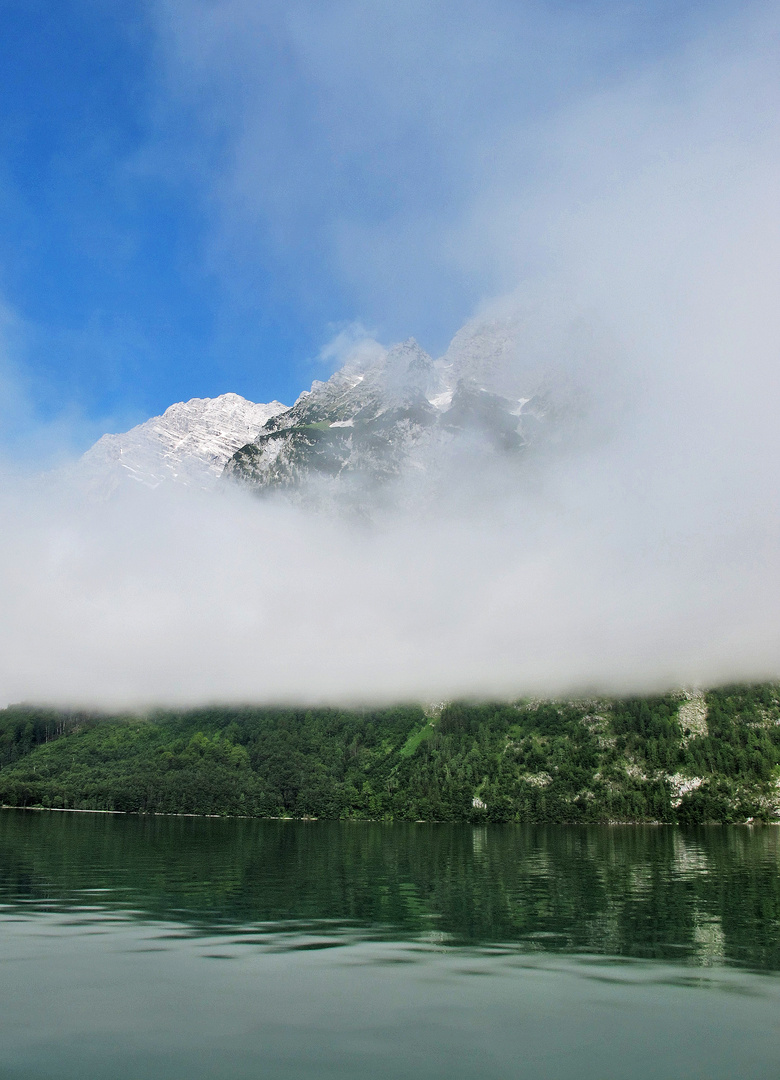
399, 821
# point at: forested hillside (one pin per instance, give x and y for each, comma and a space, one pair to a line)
686, 758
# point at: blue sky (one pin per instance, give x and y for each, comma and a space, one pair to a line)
197, 195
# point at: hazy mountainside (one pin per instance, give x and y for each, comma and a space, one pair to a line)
399, 415
190, 444
687, 758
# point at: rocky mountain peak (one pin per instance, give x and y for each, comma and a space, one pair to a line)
370, 425
189, 443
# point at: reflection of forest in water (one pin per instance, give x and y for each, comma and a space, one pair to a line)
703, 895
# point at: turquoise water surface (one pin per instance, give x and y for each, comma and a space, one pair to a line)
187, 948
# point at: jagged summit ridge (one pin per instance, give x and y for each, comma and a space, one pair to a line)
189, 444
390, 414
397, 413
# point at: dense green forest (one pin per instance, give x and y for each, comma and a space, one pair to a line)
690, 759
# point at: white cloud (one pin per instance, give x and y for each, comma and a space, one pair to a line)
350, 344
414, 157
642, 555
356, 144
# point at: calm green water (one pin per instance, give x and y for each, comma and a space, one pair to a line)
186, 948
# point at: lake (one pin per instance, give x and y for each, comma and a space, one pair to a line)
140, 947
